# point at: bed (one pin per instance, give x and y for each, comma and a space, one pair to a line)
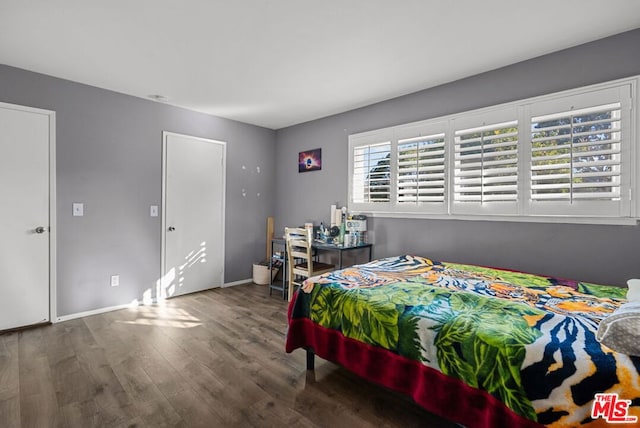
483, 347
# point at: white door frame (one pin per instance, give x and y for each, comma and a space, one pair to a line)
163, 242
52, 202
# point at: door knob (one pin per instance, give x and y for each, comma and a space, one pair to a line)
40, 229
171, 228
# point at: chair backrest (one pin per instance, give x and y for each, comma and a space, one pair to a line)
299, 251
300, 257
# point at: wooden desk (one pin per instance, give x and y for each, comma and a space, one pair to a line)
280, 242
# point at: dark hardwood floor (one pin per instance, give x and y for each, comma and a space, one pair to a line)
210, 359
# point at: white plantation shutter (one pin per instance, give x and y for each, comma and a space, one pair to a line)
371, 177
485, 173
564, 157
576, 162
576, 155
421, 170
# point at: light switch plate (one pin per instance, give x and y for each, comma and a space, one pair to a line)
78, 209
153, 211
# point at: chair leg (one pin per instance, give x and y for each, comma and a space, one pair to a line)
288, 293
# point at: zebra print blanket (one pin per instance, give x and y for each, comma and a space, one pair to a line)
527, 340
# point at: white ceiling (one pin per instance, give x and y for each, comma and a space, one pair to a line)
277, 63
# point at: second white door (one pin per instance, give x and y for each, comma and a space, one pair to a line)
193, 214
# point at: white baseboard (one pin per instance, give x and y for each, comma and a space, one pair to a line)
93, 312
242, 281
129, 305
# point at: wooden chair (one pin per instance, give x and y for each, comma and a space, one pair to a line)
300, 257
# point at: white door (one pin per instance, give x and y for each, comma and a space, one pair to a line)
25, 137
193, 214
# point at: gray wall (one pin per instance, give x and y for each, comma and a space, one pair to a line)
606, 254
109, 151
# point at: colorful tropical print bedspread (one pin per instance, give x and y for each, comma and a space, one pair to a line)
527, 340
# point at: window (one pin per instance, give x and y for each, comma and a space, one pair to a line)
485, 169
487, 163
576, 163
421, 176
569, 155
371, 171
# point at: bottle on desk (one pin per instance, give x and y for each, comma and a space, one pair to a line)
354, 239
323, 233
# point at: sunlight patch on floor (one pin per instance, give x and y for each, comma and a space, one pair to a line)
162, 315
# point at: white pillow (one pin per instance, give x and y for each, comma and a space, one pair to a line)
633, 294
620, 331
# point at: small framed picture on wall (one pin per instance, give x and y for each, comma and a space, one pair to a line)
310, 160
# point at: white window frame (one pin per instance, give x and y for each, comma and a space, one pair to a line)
599, 97
420, 129
366, 139
625, 91
496, 116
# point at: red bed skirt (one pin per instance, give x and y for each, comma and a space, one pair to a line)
439, 394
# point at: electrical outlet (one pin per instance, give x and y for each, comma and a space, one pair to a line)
115, 280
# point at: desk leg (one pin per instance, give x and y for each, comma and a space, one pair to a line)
370, 253
340, 258
270, 268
